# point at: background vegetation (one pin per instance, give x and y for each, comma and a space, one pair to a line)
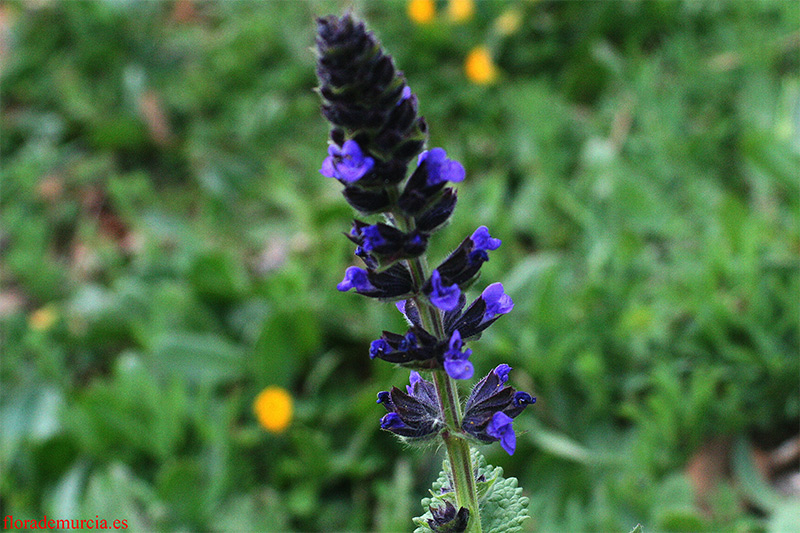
169, 249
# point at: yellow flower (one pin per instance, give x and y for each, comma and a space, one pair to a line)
43, 319
509, 22
421, 11
479, 66
460, 10
273, 408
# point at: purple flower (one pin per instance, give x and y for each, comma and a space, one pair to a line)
413, 379
371, 238
491, 406
482, 241
500, 427
441, 169
413, 414
502, 371
456, 362
405, 95
409, 341
445, 517
497, 301
521, 399
348, 164
365, 256
379, 347
459, 368
355, 278
393, 421
443, 297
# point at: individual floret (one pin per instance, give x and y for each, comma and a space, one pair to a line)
492, 406
413, 414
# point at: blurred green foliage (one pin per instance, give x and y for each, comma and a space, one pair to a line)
169, 249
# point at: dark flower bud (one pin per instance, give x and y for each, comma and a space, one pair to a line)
439, 213
369, 260
364, 94
446, 519
416, 346
482, 313
492, 406
410, 312
384, 397
383, 174
424, 187
412, 414
404, 114
387, 242
367, 201
394, 282
463, 265
406, 150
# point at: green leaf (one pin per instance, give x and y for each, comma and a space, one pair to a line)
30, 413
218, 276
754, 487
116, 493
197, 357
786, 518
637, 529
503, 508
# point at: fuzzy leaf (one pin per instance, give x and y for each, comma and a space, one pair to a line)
503, 508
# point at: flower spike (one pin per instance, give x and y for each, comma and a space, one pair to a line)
376, 135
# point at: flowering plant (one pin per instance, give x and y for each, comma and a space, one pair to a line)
376, 135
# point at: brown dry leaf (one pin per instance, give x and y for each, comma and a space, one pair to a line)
184, 12
761, 460
113, 226
5, 35
707, 467
156, 119
50, 188
11, 302
95, 203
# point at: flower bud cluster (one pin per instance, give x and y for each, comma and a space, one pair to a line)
490, 409
376, 135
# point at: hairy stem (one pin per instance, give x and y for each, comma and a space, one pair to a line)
458, 450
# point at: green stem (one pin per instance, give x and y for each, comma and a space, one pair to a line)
458, 450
